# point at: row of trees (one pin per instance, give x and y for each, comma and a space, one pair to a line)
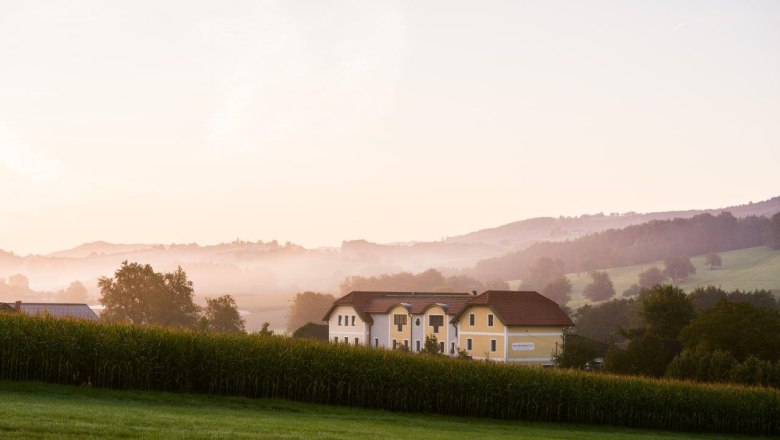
136, 294
639, 244
430, 280
548, 277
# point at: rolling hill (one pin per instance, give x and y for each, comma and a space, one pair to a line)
745, 269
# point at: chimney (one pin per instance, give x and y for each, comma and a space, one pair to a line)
18, 306
474, 292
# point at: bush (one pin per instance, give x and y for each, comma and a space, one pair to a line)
145, 358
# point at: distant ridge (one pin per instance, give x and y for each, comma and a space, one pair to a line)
521, 234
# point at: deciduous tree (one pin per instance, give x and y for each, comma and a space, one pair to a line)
222, 315
601, 288
651, 277
678, 268
713, 260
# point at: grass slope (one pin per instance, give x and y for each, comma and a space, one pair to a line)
746, 269
36, 410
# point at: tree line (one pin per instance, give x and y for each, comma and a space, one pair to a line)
638, 244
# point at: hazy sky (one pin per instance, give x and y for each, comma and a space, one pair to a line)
182, 121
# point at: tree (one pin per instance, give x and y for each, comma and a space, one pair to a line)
601, 322
667, 309
632, 291
264, 331
759, 298
651, 277
75, 292
738, 328
678, 268
431, 345
773, 232
645, 355
135, 294
577, 353
221, 315
308, 307
601, 288
704, 298
176, 307
558, 290
712, 260
543, 272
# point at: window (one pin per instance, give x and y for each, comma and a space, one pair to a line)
441, 347
490, 320
406, 344
395, 344
353, 321
418, 345
399, 321
335, 339
452, 348
356, 341
471, 319
339, 319
436, 321
346, 340
468, 344
492, 345
376, 342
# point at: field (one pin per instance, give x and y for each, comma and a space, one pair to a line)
35, 410
746, 269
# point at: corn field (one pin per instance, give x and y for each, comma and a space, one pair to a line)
144, 358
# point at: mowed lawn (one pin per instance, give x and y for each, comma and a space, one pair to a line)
746, 269
42, 411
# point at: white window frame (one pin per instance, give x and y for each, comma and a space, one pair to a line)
472, 320
491, 319
493, 345
469, 344
376, 342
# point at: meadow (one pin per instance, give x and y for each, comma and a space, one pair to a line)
745, 269
30, 410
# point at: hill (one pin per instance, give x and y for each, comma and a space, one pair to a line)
35, 410
521, 234
745, 269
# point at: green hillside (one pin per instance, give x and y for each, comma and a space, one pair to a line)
746, 269
35, 410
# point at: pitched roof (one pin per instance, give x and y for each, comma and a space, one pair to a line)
367, 302
60, 310
521, 308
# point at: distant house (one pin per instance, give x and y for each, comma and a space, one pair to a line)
312, 331
509, 326
57, 310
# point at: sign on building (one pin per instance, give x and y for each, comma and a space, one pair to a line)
522, 346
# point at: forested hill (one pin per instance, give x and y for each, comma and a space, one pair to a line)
636, 244
521, 234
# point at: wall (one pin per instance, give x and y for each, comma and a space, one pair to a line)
346, 331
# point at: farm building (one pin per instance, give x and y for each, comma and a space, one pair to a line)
57, 310
510, 326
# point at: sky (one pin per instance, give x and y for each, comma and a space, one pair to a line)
317, 122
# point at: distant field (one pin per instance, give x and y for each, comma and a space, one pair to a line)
746, 269
42, 411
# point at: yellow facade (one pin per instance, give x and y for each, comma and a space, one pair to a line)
533, 345
430, 330
482, 333
405, 333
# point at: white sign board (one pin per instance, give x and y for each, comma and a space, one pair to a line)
522, 346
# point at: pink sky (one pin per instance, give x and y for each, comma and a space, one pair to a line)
316, 122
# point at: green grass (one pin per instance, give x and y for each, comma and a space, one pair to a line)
746, 269
35, 410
